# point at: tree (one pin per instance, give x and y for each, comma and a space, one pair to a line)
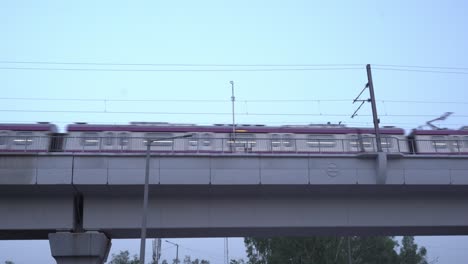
124, 258
327, 250
409, 253
188, 260
237, 261
9, 262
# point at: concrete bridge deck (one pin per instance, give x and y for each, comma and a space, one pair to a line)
81, 200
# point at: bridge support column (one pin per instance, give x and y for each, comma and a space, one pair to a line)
381, 168
79, 248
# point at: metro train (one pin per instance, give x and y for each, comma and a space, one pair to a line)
222, 138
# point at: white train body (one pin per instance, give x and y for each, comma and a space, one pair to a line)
26, 137
189, 138
220, 138
444, 141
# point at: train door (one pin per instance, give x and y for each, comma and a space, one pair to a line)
4, 140
289, 143
206, 142
275, 142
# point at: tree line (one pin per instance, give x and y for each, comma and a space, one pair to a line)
334, 250
312, 250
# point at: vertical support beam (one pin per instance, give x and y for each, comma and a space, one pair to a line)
349, 251
79, 248
145, 202
233, 99
381, 168
374, 108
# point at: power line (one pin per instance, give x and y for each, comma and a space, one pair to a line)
422, 102
224, 100
177, 70
206, 113
421, 67
227, 65
177, 64
111, 100
413, 70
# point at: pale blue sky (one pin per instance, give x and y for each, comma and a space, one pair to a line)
425, 33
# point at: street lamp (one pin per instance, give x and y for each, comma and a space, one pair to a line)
146, 192
177, 250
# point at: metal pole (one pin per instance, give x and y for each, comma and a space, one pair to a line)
145, 195
177, 253
374, 108
145, 205
349, 251
226, 244
177, 250
233, 99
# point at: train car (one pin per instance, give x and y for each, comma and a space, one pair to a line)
83, 137
26, 137
166, 137
440, 141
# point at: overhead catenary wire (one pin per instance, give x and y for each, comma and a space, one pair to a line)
177, 70
420, 66
179, 64
206, 113
227, 64
419, 70
226, 100
226, 70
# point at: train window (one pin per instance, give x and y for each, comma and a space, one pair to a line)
3, 138
288, 140
160, 139
109, 139
206, 139
439, 142
361, 141
90, 139
123, 139
387, 142
275, 140
193, 140
243, 140
321, 141
23, 138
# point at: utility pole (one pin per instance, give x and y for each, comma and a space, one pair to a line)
374, 108
145, 204
233, 99
370, 85
177, 250
349, 251
226, 249
144, 217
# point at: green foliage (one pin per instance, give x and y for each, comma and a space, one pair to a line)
9, 262
409, 253
187, 260
237, 261
331, 250
124, 258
